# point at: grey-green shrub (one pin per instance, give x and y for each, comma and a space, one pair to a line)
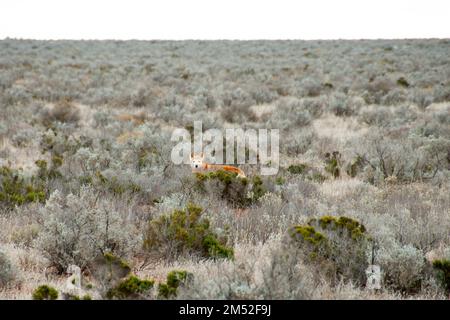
77, 228
403, 267
7, 272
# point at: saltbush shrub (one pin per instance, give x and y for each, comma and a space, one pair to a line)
7, 274
185, 232
76, 228
403, 267
108, 271
336, 246
63, 111
237, 191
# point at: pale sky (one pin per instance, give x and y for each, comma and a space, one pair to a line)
224, 19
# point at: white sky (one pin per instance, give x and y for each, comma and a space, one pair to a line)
224, 19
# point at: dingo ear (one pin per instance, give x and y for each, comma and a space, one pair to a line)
191, 155
202, 155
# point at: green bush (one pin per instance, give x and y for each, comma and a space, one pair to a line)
130, 288
297, 168
185, 232
337, 246
67, 296
174, 279
239, 192
332, 161
46, 173
17, 190
443, 272
113, 279
402, 82
45, 292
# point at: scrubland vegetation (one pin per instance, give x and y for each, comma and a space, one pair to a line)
86, 176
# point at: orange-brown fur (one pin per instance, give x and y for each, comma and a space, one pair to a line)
198, 165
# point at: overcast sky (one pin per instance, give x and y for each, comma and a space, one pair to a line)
224, 19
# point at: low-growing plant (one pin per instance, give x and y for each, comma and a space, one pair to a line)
45, 292
108, 271
130, 288
77, 228
237, 191
7, 274
185, 232
271, 271
442, 268
403, 267
18, 190
63, 111
333, 165
336, 246
403, 82
175, 278
47, 173
297, 168
68, 296
355, 166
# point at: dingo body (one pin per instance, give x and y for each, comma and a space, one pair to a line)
198, 164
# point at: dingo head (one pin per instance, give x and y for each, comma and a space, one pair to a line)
197, 161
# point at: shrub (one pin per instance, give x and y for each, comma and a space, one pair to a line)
17, 190
377, 88
341, 105
422, 97
77, 228
311, 87
185, 232
336, 246
332, 161
269, 272
63, 111
6, 271
355, 166
296, 144
175, 278
238, 192
75, 297
115, 186
263, 95
301, 113
45, 292
409, 159
130, 288
45, 173
403, 267
402, 82
443, 272
107, 271
297, 168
